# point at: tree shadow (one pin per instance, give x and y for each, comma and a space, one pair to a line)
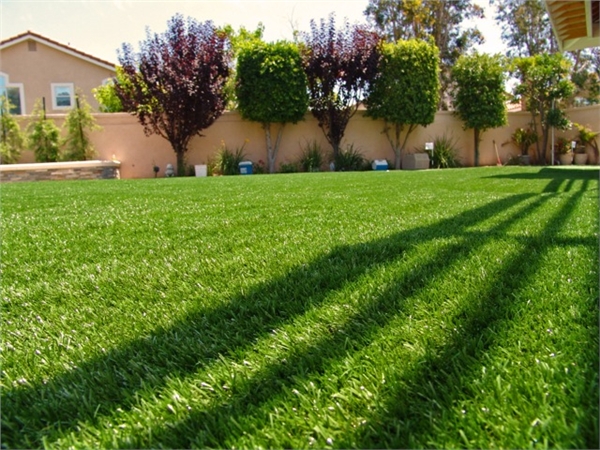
214, 426
401, 415
99, 386
557, 176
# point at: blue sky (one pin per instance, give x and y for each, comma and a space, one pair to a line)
99, 27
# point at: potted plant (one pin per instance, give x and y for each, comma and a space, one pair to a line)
585, 138
563, 148
524, 139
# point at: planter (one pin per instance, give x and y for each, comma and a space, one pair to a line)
524, 160
566, 159
201, 170
581, 159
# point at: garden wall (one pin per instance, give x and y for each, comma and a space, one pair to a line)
123, 139
79, 170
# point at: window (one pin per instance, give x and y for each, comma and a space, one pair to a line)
62, 95
14, 93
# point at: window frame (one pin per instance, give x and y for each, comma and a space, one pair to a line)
6, 85
70, 87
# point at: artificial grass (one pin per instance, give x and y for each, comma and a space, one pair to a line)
452, 308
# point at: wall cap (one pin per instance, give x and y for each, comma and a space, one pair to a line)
58, 165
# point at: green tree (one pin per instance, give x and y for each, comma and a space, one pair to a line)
271, 89
11, 139
43, 135
543, 83
442, 20
526, 27
106, 95
239, 39
76, 144
406, 92
480, 100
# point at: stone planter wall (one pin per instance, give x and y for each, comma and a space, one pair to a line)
81, 170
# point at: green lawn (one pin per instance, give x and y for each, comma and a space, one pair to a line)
454, 308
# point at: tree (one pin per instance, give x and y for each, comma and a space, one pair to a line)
480, 100
239, 40
77, 145
43, 135
174, 85
339, 66
271, 89
442, 20
11, 137
106, 95
406, 92
526, 27
543, 83
585, 75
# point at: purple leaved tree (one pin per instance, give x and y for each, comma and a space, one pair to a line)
339, 65
174, 85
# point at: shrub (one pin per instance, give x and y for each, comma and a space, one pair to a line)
350, 159
444, 153
259, 168
43, 136
77, 145
227, 162
11, 138
312, 157
288, 168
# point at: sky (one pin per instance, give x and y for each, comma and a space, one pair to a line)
99, 27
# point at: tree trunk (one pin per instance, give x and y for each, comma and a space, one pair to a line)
272, 150
180, 163
477, 135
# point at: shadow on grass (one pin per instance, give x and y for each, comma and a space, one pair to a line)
216, 426
434, 389
100, 386
557, 175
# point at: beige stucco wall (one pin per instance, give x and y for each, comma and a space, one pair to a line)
36, 70
123, 139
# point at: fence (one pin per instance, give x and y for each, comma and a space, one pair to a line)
122, 138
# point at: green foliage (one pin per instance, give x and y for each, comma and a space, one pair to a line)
43, 136
106, 95
270, 83
311, 159
557, 118
239, 39
524, 139
406, 92
79, 121
271, 88
445, 153
526, 27
543, 83
290, 167
445, 22
226, 161
11, 138
563, 146
587, 137
349, 159
479, 100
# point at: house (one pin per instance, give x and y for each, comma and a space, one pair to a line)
33, 67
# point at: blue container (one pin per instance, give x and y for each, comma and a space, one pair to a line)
380, 164
246, 168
